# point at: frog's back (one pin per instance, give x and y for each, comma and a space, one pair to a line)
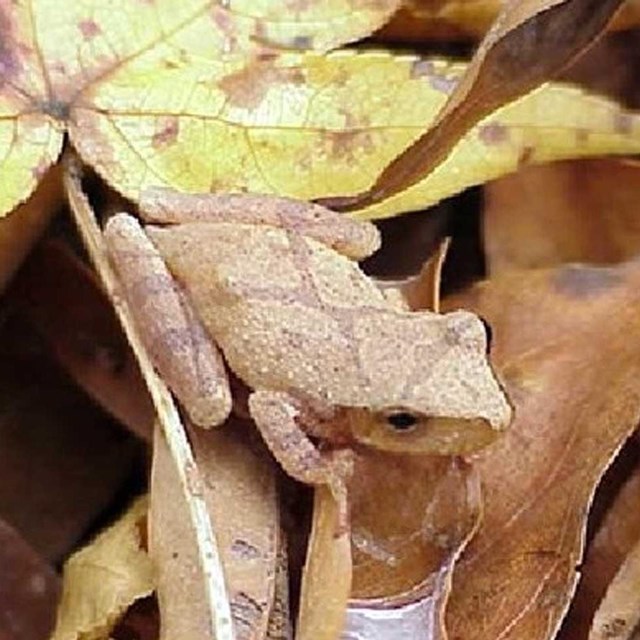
277, 303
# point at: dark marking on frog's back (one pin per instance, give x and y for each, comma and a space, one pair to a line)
581, 281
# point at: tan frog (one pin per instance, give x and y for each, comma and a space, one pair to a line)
269, 288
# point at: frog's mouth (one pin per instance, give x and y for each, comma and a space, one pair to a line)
406, 431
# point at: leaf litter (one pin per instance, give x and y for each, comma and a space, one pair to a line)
297, 119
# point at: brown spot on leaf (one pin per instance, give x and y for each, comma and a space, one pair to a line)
582, 136
226, 25
623, 123
438, 81
344, 145
302, 42
579, 281
9, 62
246, 611
167, 129
525, 157
493, 133
57, 109
422, 69
244, 549
247, 88
40, 169
89, 29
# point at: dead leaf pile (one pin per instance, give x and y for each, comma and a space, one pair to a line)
120, 519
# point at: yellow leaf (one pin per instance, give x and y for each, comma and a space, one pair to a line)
315, 125
50, 59
103, 579
29, 141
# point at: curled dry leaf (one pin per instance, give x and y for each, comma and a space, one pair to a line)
589, 215
238, 487
619, 614
29, 589
101, 580
418, 20
571, 368
412, 516
62, 299
529, 43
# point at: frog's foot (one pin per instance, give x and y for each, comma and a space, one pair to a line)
275, 414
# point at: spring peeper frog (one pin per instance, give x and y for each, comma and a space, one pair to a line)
269, 288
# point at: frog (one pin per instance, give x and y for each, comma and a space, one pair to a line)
265, 294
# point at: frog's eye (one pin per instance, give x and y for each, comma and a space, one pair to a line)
401, 420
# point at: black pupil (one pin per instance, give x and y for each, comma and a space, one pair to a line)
401, 420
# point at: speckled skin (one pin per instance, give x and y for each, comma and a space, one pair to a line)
273, 283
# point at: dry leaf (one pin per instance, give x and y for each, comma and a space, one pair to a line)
56, 447
529, 43
20, 232
29, 589
589, 215
101, 580
619, 614
419, 20
238, 487
412, 516
613, 541
326, 580
570, 367
61, 298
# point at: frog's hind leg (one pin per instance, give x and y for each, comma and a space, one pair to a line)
275, 416
355, 239
186, 358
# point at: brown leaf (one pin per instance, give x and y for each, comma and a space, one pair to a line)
104, 578
62, 299
613, 541
619, 614
423, 290
238, 487
589, 215
412, 516
20, 231
62, 460
326, 583
530, 42
571, 367
29, 589
419, 20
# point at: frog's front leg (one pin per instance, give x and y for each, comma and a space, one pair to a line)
175, 339
276, 415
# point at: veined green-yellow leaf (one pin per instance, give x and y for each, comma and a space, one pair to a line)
316, 125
